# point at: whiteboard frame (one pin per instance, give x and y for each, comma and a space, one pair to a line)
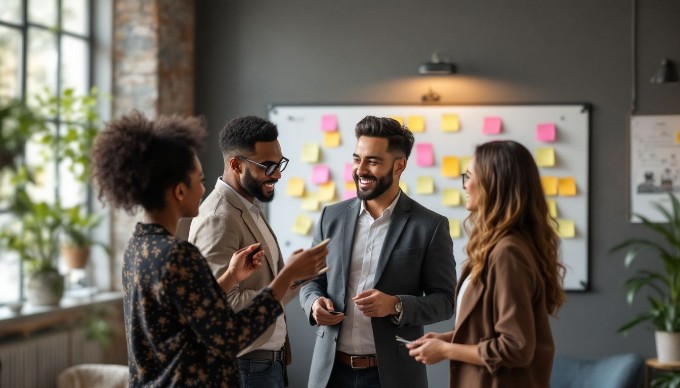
300, 123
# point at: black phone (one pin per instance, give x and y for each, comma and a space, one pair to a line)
254, 252
336, 312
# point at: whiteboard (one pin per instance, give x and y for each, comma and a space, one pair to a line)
300, 126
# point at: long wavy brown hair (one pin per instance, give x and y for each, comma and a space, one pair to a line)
510, 200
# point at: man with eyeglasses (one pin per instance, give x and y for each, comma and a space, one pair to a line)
232, 217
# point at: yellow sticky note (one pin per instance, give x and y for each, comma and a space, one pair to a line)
566, 228
350, 186
399, 119
677, 137
403, 186
567, 186
464, 161
545, 156
310, 152
549, 184
302, 225
327, 192
425, 185
454, 228
416, 124
331, 139
450, 167
451, 197
296, 187
311, 202
552, 207
450, 123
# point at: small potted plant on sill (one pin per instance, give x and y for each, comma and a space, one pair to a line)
663, 312
77, 242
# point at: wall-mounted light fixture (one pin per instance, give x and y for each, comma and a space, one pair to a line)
437, 66
666, 73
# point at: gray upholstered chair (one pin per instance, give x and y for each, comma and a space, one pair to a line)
619, 371
94, 376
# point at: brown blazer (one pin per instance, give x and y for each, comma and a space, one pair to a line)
505, 315
223, 226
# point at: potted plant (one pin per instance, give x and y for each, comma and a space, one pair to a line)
664, 301
33, 235
77, 241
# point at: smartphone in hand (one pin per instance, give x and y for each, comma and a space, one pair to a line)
336, 312
249, 258
404, 340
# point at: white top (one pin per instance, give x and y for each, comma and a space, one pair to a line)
459, 299
278, 339
356, 333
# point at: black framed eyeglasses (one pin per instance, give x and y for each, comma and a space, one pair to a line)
465, 177
268, 167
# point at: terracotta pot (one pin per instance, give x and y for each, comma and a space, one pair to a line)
667, 347
75, 256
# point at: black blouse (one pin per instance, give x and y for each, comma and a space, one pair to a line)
179, 326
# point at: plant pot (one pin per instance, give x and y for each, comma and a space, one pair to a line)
75, 256
668, 346
45, 288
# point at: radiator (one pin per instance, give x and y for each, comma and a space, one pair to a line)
37, 361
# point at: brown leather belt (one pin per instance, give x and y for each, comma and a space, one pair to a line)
263, 355
357, 362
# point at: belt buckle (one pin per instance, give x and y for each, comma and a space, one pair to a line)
353, 358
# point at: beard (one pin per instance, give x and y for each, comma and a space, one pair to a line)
382, 184
254, 188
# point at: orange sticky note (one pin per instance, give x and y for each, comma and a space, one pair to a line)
549, 184
450, 166
567, 186
416, 124
399, 119
327, 191
331, 139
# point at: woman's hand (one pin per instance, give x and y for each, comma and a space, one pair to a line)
242, 264
428, 350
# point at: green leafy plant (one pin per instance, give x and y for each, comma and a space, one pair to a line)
664, 302
667, 380
98, 328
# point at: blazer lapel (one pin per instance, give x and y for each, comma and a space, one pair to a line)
472, 295
402, 211
349, 226
235, 201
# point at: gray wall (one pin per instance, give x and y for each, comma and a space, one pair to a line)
251, 53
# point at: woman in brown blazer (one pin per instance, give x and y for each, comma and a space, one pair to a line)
511, 282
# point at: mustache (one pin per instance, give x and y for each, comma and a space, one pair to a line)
365, 176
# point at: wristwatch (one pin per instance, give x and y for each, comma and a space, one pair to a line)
398, 307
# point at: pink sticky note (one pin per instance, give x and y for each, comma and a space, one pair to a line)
492, 125
329, 123
349, 194
425, 154
321, 174
348, 175
546, 132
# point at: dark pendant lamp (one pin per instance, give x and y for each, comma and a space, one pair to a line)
437, 66
666, 73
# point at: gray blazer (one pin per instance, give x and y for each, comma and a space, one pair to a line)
223, 226
416, 264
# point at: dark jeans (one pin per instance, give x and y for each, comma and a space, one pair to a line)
343, 376
260, 373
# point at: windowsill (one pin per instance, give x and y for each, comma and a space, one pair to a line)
35, 318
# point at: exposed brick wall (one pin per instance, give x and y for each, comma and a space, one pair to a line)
153, 72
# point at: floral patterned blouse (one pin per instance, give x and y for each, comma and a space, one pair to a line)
180, 329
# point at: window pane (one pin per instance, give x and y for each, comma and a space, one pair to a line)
74, 64
11, 11
74, 16
45, 173
42, 61
71, 191
10, 62
9, 270
43, 12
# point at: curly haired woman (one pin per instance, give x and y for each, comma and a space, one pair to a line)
179, 326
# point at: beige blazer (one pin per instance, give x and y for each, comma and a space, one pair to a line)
505, 315
223, 226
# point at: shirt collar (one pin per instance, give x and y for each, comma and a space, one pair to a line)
255, 206
387, 212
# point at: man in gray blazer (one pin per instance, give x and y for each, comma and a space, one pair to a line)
230, 218
391, 271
